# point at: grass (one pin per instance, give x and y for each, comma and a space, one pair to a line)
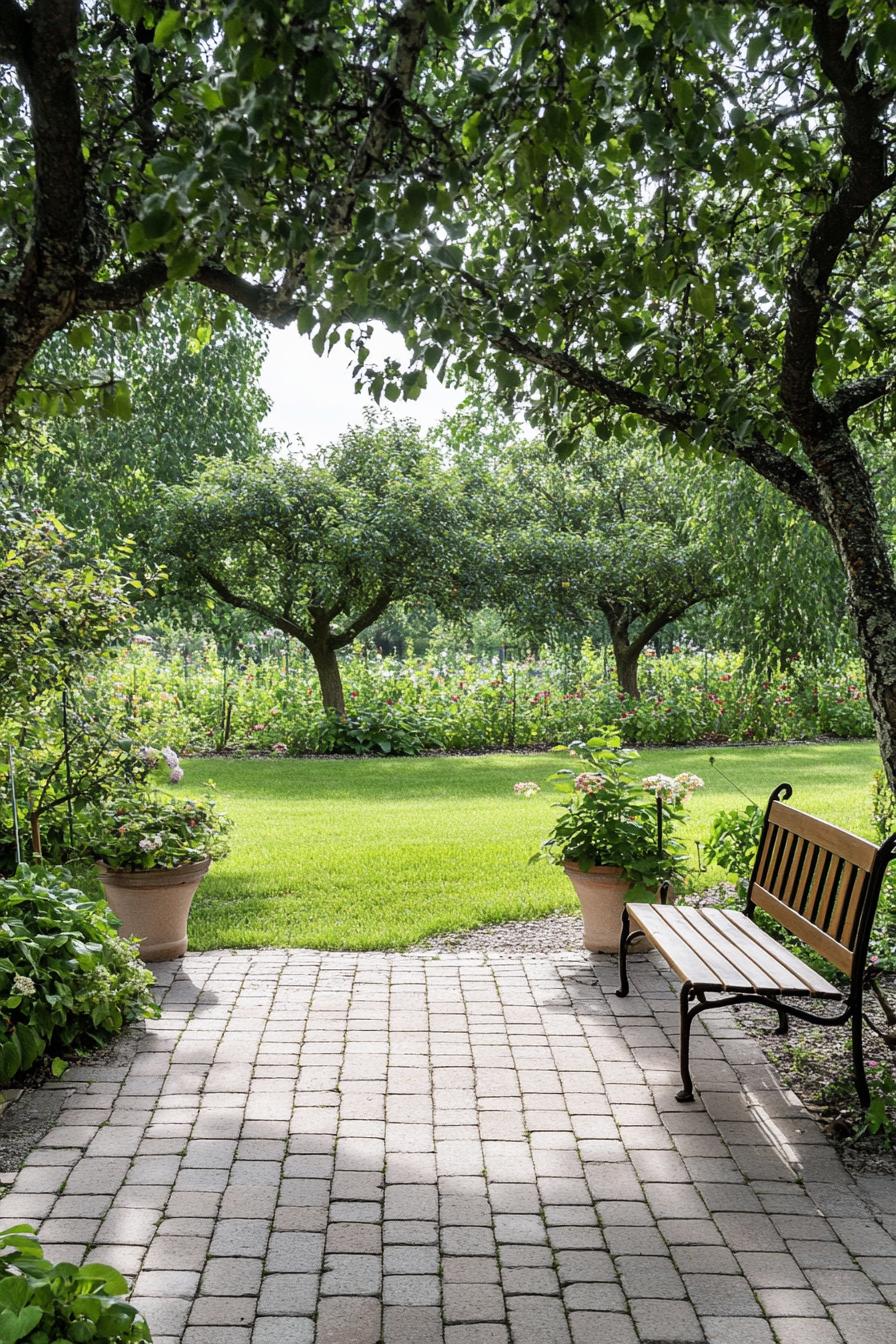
382, 853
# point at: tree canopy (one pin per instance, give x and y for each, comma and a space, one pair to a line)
609, 534
320, 548
193, 392
231, 145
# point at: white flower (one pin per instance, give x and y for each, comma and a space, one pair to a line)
175, 775
24, 985
170, 757
150, 843
526, 788
589, 781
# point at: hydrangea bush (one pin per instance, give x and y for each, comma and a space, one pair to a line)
145, 830
68, 982
612, 818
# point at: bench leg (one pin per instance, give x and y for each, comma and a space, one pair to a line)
622, 991
858, 1058
783, 1026
687, 1086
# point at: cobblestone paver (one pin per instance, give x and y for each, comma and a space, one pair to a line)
459, 1149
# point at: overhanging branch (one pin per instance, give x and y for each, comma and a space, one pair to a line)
851, 397
783, 472
249, 604
865, 153
361, 622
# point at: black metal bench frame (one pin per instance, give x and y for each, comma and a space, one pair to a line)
693, 1001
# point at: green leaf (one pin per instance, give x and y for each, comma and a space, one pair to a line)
167, 26
320, 76
703, 299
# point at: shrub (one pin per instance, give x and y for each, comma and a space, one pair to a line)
143, 830
734, 839
43, 1303
371, 732
611, 816
199, 702
68, 983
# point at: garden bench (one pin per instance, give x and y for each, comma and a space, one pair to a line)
818, 882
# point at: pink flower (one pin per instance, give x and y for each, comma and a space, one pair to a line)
589, 781
280, 748
175, 774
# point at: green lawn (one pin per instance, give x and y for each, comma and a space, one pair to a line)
381, 853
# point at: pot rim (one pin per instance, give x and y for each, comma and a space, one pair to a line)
189, 869
609, 869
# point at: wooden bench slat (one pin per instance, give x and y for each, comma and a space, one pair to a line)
853, 848
849, 898
730, 968
812, 936
716, 949
735, 925
773, 974
684, 961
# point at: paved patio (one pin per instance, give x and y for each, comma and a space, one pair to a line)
350, 1149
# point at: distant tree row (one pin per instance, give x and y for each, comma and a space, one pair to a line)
619, 541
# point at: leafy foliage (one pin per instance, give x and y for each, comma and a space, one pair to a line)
734, 839
102, 758
68, 983
142, 830
201, 702
386, 731
192, 373
607, 534
57, 606
611, 818
45, 1303
320, 548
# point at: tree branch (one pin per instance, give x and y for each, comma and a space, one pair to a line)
386, 114
851, 397
866, 179
361, 622
60, 202
233, 599
783, 472
129, 289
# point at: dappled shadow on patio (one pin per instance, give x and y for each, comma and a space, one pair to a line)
354, 1148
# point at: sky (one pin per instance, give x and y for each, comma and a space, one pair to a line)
313, 397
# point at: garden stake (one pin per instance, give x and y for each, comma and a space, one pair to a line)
513, 707
728, 780
68, 769
14, 802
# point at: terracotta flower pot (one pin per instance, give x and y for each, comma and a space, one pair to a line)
601, 892
153, 905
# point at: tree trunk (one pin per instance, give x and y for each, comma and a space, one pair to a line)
854, 523
327, 667
626, 659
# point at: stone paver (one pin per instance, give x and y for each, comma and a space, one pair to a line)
454, 1149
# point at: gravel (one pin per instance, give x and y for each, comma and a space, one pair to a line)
547, 936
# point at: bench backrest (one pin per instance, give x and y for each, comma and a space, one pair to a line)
818, 881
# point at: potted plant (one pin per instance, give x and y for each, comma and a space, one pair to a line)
615, 835
152, 851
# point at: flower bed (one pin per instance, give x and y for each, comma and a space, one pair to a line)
268, 700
